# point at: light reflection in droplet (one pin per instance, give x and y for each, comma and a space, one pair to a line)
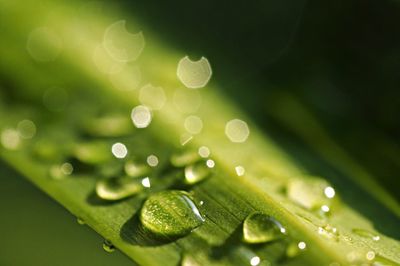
254, 261
152, 160
237, 130
146, 182
370, 255
66, 168
186, 101
194, 74
44, 44
152, 96
210, 163
121, 44
329, 192
119, 150
141, 116
204, 152
193, 124
240, 170
10, 139
302, 245
325, 208
26, 129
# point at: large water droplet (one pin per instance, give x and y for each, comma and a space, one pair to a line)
118, 188
121, 44
170, 214
237, 130
194, 74
261, 228
366, 234
108, 246
310, 193
197, 172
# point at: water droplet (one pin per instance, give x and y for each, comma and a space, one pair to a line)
240, 170
254, 261
108, 246
152, 160
121, 44
193, 124
10, 139
186, 101
261, 228
43, 44
294, 248
370, 255
55, 99
114, 125
210, 163
170, 214
119, 150
184, 158
146, 182
26, 129
329, 192
194, 74
308, 193
153, 97
302, 245
366, 234
80, 221
61, 171
196, 172
141, 116
133, 169
95, 152
237, 130
329, 231
118, 188
204, 152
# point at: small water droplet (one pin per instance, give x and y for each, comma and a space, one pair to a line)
261, 228
237, 130
118, 188
210, 163
108, 246
114, 125
329, 192
295, 248
80, 221
240, 170
194, 74
170, 214
141, 116
370, 255
10, 139
196, 172
121, 44
26, 129
146, 182
61, 171
254, 261
134, 169
152, 160
119, 150
94, 152
184, 158
329, 231
366, 234
204, 152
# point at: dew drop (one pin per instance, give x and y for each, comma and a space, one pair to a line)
329, 232
10, 139
94, 152
119, 150
194, 74
261, 228
302, 245
237, 130
366, 234
240, 170
210, 163
26, 129
370, 255
43, 44
254, 261
121, 44
204, 152
141, 116
152, 160
108, 246
133, 169
153, 97
61, 171
193, 124
329, 192
170, 214
294, 248
146, 182
197, 172
80, 221
114, 125
118, 188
